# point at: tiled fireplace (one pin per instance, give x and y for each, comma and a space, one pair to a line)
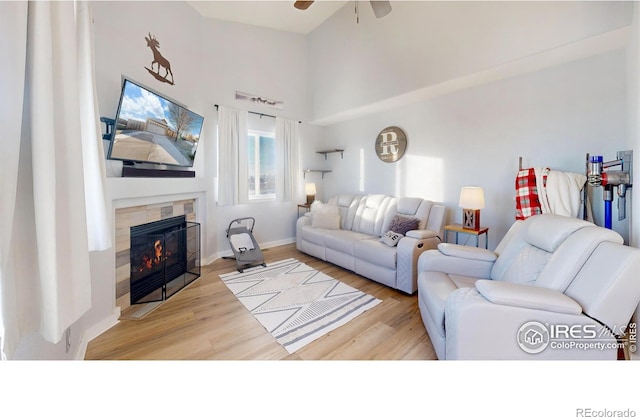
125, 218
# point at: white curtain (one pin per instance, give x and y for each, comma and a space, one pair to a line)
52, 170
232, 128
287, 138
98, 224
13, 40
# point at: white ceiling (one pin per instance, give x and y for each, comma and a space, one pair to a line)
279, 14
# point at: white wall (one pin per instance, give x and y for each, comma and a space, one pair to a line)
475, 137
121, 50
474, 133
273, 64
421, 44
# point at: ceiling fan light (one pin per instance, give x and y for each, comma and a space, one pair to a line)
380, 8
302, 5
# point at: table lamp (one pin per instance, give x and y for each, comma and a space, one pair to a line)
310, 191
471, 201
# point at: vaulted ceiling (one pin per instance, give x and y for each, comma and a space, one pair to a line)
280, 15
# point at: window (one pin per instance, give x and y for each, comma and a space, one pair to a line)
261, 163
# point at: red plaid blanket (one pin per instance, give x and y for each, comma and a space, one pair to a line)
527, 200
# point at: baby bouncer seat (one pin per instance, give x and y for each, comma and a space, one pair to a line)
245, 248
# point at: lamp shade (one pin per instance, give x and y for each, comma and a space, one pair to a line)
310, 189
471, 198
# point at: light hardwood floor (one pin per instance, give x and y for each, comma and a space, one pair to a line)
206, 321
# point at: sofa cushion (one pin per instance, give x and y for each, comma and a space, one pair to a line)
526, 266
461, 281
313, 235
344, 200
549, 232
409, 205
568, 259
326, 217
347, 206
416, 207
371, 213
375, 252
402, 224
343, 240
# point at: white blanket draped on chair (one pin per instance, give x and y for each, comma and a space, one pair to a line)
543, 190
561, 192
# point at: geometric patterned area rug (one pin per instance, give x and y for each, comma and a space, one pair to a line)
296, 303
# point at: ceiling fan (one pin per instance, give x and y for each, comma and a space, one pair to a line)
380, 8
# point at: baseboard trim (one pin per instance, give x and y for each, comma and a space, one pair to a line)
95, 331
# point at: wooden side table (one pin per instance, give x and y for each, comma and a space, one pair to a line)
457, 229
306, 208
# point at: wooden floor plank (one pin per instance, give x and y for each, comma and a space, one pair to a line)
205, 321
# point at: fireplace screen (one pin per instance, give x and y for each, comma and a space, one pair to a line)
165, 257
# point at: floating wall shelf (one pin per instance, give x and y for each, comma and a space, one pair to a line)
306, 171
331, 151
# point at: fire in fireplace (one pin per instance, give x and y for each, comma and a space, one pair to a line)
165, 257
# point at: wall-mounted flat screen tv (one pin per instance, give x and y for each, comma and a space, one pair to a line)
154, 129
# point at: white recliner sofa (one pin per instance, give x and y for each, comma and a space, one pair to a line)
555, 288
354, 243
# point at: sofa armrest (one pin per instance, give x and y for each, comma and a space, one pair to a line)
526, 296
421, 234
407, 255
434, 260
300, 223
305, 219
467, 252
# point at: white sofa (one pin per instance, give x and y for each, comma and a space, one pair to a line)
354, 241
555, 288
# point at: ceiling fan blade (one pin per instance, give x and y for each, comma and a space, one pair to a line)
380, 8
302, 5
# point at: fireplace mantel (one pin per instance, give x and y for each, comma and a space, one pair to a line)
139, 200
150, 190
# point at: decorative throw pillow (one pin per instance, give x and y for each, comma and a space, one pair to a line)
402, 224
390, 238
316, 205
326, 217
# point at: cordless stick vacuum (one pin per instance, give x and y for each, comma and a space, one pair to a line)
600, 175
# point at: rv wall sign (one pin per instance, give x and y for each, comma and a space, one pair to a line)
391, 144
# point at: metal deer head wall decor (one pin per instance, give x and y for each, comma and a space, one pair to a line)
158, 60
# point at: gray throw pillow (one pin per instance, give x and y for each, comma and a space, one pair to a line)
402, 224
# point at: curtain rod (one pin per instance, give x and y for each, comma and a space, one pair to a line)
253, 112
